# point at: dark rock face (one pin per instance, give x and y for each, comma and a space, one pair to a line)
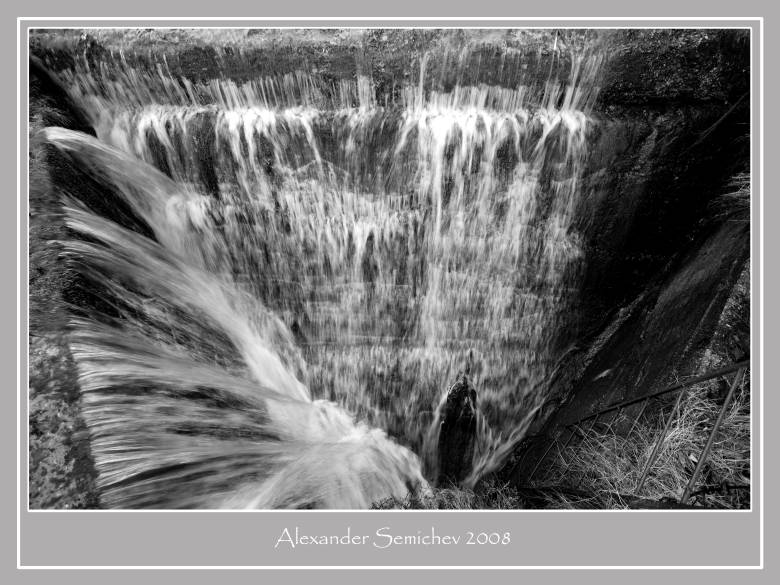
457, 433
677, 327
50, 101
662, 255
670, 329
660, 67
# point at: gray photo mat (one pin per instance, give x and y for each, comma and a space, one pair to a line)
539, 538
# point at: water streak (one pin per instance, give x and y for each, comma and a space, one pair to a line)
364, 254
191, 390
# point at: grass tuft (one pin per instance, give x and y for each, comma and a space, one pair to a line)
489, 495
608, 466
735, 204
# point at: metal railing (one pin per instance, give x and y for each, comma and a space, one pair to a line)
575, 429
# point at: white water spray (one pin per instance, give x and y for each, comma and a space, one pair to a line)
308, 244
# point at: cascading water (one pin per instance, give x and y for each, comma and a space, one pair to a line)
311, 249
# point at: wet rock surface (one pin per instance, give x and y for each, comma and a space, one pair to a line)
61, 472
457, 433
648, 67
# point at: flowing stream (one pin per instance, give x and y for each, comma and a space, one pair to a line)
318, 270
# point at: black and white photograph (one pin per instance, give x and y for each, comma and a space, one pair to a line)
389, 268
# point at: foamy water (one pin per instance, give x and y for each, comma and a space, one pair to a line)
323, 268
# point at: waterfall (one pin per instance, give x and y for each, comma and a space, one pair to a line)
320, 270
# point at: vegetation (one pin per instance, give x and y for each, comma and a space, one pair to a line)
735, 204
606, 467
491, 495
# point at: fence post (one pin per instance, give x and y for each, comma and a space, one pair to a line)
706, 450
638, 416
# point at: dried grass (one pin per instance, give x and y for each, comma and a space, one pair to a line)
735, 205
609, 466
490, 495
